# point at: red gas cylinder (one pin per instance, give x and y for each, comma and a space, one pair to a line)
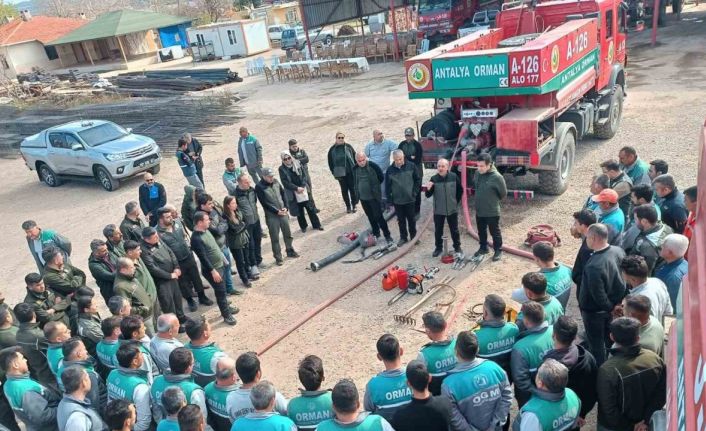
388, 283
402, 279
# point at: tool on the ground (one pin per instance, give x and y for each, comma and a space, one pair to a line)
446, 256
375, 254
474, 261
406, 317
542, 233
416, 283
402, 279
431, 272
475, 314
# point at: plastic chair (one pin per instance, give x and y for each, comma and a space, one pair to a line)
250, 67
274, 61
259, 64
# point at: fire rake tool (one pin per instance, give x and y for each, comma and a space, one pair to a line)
407, 319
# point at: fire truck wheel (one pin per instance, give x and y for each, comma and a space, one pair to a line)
556, 182
615, 113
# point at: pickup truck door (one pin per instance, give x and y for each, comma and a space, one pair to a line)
82, 162
60, 154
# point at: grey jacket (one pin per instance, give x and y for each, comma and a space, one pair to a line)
98, 395
247, 203
249, 152
75, 415
176, 240
160, 348
479, 403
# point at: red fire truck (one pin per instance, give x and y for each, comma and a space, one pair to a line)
439, 20
526, 91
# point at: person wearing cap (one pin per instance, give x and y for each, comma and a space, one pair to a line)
303, 158
152, 196
611, 214
413, 152
250, 153
620, 182
297, 191
163, 265
341, 161
270, 193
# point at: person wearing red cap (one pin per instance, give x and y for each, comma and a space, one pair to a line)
611, 214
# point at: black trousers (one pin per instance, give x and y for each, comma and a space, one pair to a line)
190, 278
169, 296
199, 172
597, 326
219, 289
347, 184
377, 221
491, 224
7, 416
452, 220
310, 209
242, 262
406, 220
255, 244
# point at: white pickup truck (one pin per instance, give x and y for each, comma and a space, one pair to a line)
295, 38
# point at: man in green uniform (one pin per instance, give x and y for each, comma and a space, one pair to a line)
33, 404
47, 306
535, 287
446, 189
206, 352
478, 389
413, 153
61, 277
270, 193
129, 287
8, 331
553, 406
128, 382
55, 333
108, 346
439, 355
133, 250
114, 241
34, 346
388, 391
181, 365
402, 186
495, 335
529, 350
346, 404
220, 392
314, 405
89, 323
490, 190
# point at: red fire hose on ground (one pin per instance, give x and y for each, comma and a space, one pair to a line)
328, 302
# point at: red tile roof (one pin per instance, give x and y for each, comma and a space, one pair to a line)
42, 28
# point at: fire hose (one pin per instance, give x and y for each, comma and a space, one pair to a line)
382, 264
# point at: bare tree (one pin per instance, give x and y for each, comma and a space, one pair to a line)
215, 8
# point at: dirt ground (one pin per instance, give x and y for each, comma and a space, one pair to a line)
663, 110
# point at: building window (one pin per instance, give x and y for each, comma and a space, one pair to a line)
3, 62
51, 52
609, 24
291, 15
231, 37
200, 40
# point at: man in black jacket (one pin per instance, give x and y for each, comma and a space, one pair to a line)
582, 220
171, 232
247, 202
579, 361
298, 192
413, 153
341, 160
446, 188
34, 346
102, 266
152, 197
425, 412
270, 193
368, 178
602, 288
132, 224
194, 150
402, 185
303, 158
164, 268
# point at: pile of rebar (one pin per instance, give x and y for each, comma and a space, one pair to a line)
163, 119
166, 83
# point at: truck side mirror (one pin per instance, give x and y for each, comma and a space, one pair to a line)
129, 130
77, 147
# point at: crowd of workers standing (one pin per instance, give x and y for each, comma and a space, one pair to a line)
66, 368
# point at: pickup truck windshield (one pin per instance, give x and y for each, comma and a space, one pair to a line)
101, 134
431, 5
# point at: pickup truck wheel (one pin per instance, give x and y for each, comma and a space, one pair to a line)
106, 180
615, 112
48, 176
556, 182
328, 41
154, 170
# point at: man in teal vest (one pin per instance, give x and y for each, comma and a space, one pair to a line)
219, 394
388, 391
637, 169
478, 389
346, 404
206, 352
33, 404
559, 282
535, 286
553, 406
75, 411
495, 335
172, 401
250, 153
128, 382
264, 418
76, 354
529, 350
133, 328
181, 364
239, 403
446, 188
55, 333
108, 346
38, 239
314, 405
439, 355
